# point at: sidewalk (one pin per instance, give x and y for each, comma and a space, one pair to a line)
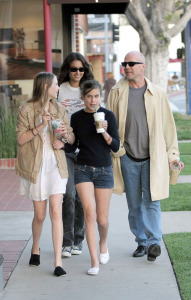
177, 100
124, 277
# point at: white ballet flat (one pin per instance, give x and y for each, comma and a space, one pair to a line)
104, 258
93, 271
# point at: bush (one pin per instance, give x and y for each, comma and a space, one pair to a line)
8, 142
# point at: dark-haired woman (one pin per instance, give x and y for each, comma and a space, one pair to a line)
41, 166
74, 71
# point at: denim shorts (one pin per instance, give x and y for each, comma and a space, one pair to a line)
101, 177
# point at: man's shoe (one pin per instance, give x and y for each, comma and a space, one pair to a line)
77, 250
140, 251
154, 250
66, 251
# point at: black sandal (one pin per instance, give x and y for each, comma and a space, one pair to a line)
59, 272
34, 260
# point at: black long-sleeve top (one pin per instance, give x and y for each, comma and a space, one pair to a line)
93, 149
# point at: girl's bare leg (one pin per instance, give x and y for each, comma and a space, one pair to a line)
86, 194
37, 223
55, 210
103, 197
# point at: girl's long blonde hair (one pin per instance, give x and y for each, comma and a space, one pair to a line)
40, 93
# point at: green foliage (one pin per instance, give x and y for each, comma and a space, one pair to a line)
183, 126
179, 199
178, 245
185, 148
187, 165
185, 153
8, 142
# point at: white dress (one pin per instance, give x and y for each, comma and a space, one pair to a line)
49, 181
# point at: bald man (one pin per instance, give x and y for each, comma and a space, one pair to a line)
148, 148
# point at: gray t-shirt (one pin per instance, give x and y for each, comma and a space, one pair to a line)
136, 140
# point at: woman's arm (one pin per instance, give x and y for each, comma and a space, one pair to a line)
58, 144
65, 129
111, 135
68, 136
107, 137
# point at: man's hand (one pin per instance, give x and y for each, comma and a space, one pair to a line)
179, 163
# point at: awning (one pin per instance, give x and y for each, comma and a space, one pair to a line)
86, 1
92, 6
172, 60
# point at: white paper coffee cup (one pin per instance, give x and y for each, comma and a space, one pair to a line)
99, 117
174, 176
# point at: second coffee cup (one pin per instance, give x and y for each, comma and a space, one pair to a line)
174, 174
99, 117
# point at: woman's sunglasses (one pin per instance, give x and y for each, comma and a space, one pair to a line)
76, 69
130, 63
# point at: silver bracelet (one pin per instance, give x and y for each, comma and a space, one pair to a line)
65, 140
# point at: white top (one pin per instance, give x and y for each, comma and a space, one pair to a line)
70, 97
49, 181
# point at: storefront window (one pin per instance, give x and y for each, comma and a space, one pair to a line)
22, 56
22, 49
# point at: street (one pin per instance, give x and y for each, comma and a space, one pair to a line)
177, 101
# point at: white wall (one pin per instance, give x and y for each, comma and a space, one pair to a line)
129, 41
174, 45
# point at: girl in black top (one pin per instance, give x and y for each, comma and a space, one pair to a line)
93, 171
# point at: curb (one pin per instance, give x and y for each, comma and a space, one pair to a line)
7, 163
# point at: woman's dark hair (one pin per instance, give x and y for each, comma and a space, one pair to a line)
63, 75
89, 85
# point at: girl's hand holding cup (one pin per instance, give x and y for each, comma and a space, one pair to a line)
105, 125
63, 130
60, 127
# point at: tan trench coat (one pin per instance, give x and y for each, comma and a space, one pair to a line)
163, 144
29, 155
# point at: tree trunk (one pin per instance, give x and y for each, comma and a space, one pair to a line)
157, 66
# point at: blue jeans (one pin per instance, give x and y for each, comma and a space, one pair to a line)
144, 214
72, 210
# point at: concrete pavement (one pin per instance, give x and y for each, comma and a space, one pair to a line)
177, 100
124, 277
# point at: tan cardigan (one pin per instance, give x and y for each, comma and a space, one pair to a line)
29, 155
163, 144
